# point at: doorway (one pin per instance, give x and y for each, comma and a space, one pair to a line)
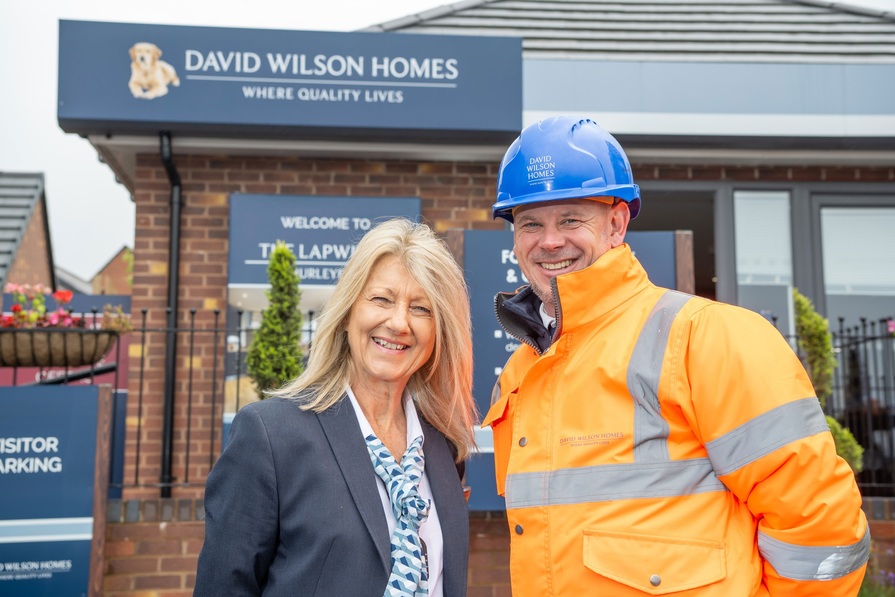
685, 210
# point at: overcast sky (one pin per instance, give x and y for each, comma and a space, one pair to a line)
92, 216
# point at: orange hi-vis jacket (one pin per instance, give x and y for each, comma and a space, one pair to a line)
666, 444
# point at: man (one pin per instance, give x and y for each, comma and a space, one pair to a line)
650, 442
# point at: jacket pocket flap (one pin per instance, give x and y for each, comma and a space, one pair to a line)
498, 408
654, 565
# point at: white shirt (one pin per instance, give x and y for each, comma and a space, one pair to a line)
430, 530
546, 317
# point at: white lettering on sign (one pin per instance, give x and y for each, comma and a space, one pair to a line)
30, 566
388, 96
400, 68
269, 92
322, 65
30, 464
315, 223
321, 252
324, 251
222, 62
319, 273
19, 445
266, 248
26, 463
313, 94
319, 65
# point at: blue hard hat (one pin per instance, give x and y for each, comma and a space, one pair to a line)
564, 158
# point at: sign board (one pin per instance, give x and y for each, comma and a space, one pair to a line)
321, 231
491, 267
54, 473
131, 78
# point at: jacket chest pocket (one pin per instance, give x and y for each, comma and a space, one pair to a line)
500, 419
654, 565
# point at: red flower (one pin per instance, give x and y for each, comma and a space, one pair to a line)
63, 297
16, 308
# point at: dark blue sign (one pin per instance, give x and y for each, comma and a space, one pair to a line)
321, 231
47, 467
491, 267
132, 78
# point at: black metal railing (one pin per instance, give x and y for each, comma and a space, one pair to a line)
863, 396
215, 391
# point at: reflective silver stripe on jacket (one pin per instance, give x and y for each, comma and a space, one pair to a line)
653, 473
765, 433
644, 370
611, 482
799, 562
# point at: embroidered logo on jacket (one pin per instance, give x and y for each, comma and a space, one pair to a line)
604, 438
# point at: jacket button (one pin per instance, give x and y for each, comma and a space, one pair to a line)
655, 580
523, 441
519, 529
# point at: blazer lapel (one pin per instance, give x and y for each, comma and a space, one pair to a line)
343, 432
452, 511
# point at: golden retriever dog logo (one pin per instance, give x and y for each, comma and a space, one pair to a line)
150, 76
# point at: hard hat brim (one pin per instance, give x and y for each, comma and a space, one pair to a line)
629, 193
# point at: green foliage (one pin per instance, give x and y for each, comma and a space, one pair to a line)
816, 343
846, 445
274, 356
128, 258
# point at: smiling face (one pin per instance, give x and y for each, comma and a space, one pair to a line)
391, 330
565, 236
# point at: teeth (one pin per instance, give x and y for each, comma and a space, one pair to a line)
389, 345
559, 265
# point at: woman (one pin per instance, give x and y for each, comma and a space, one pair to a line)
346, 482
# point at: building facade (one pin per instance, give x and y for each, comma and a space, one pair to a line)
767, 128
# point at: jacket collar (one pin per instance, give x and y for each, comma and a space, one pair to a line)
582, 297
591, 293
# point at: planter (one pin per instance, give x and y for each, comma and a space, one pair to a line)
53, 347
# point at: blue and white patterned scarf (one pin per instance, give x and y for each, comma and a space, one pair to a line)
410, 571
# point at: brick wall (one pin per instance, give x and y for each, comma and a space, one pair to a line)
115, 276
880, 512
31, 264
152, 547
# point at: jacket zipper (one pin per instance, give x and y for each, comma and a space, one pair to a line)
518, 336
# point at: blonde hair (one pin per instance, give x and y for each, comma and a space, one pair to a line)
442, 387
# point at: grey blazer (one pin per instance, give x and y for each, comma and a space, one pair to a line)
292, 508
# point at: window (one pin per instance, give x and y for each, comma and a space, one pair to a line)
858, 247
763, 246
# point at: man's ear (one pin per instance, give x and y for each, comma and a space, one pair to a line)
619, 217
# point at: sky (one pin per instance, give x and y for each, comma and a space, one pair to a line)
91, 215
